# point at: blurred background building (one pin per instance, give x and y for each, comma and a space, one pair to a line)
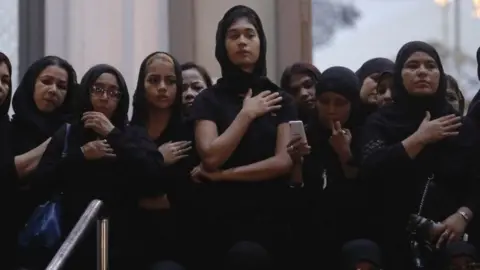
349, 32
123, 32
324, 32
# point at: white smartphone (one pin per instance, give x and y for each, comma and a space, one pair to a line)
297, 130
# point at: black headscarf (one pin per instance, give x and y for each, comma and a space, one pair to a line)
5, 106
8, 174
234, 79
342, 81
361, 250
298, 68
405, 115
140, 106
26, 111
460, 248
474, 108
478, 63
5, 144
375, 65
84, 104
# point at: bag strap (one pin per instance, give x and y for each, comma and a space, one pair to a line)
424, 194
65, 140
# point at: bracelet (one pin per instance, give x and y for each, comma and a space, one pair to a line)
464, 215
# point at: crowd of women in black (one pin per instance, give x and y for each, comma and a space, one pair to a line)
207, 176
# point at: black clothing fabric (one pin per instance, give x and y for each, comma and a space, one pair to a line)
167, 236
361, 250
397, 182
474, 107
30, 127
328, 194
375, 65
456, 249
242, 211
248, 256
115, 181
372, 66
8, 176
222, 102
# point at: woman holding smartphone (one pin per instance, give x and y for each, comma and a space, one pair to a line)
329, 171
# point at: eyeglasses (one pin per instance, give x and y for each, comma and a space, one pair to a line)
111, 93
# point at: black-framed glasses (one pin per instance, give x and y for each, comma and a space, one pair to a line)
100, 91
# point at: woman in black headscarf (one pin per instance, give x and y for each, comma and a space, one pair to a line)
8, 172
299, 81
454, 95
99, 158
361, 254
419, 157
368, 74
241, 135
195, 80
164, 206
330, 170
41, 103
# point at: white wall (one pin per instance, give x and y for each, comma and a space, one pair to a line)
116, 32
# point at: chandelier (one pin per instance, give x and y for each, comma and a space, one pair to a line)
476, 6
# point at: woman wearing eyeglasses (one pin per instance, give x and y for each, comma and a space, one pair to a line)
98, 157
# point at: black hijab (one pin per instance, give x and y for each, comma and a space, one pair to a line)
374, 65
298, 68
342, 81
405, 115
84, 104
26, 111
478, 63
140, 105
474, 108
5, 106
361, 250
8, 175
234, 79
6, 157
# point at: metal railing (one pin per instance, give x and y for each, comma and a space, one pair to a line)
84, 223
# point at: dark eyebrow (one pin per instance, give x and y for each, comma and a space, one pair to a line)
235, 30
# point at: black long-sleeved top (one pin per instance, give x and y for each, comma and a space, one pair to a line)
175, 179
397, 182
8, 189
116, 181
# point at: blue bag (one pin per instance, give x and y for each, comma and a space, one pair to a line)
42, 229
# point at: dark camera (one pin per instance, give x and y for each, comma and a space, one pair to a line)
419, 229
